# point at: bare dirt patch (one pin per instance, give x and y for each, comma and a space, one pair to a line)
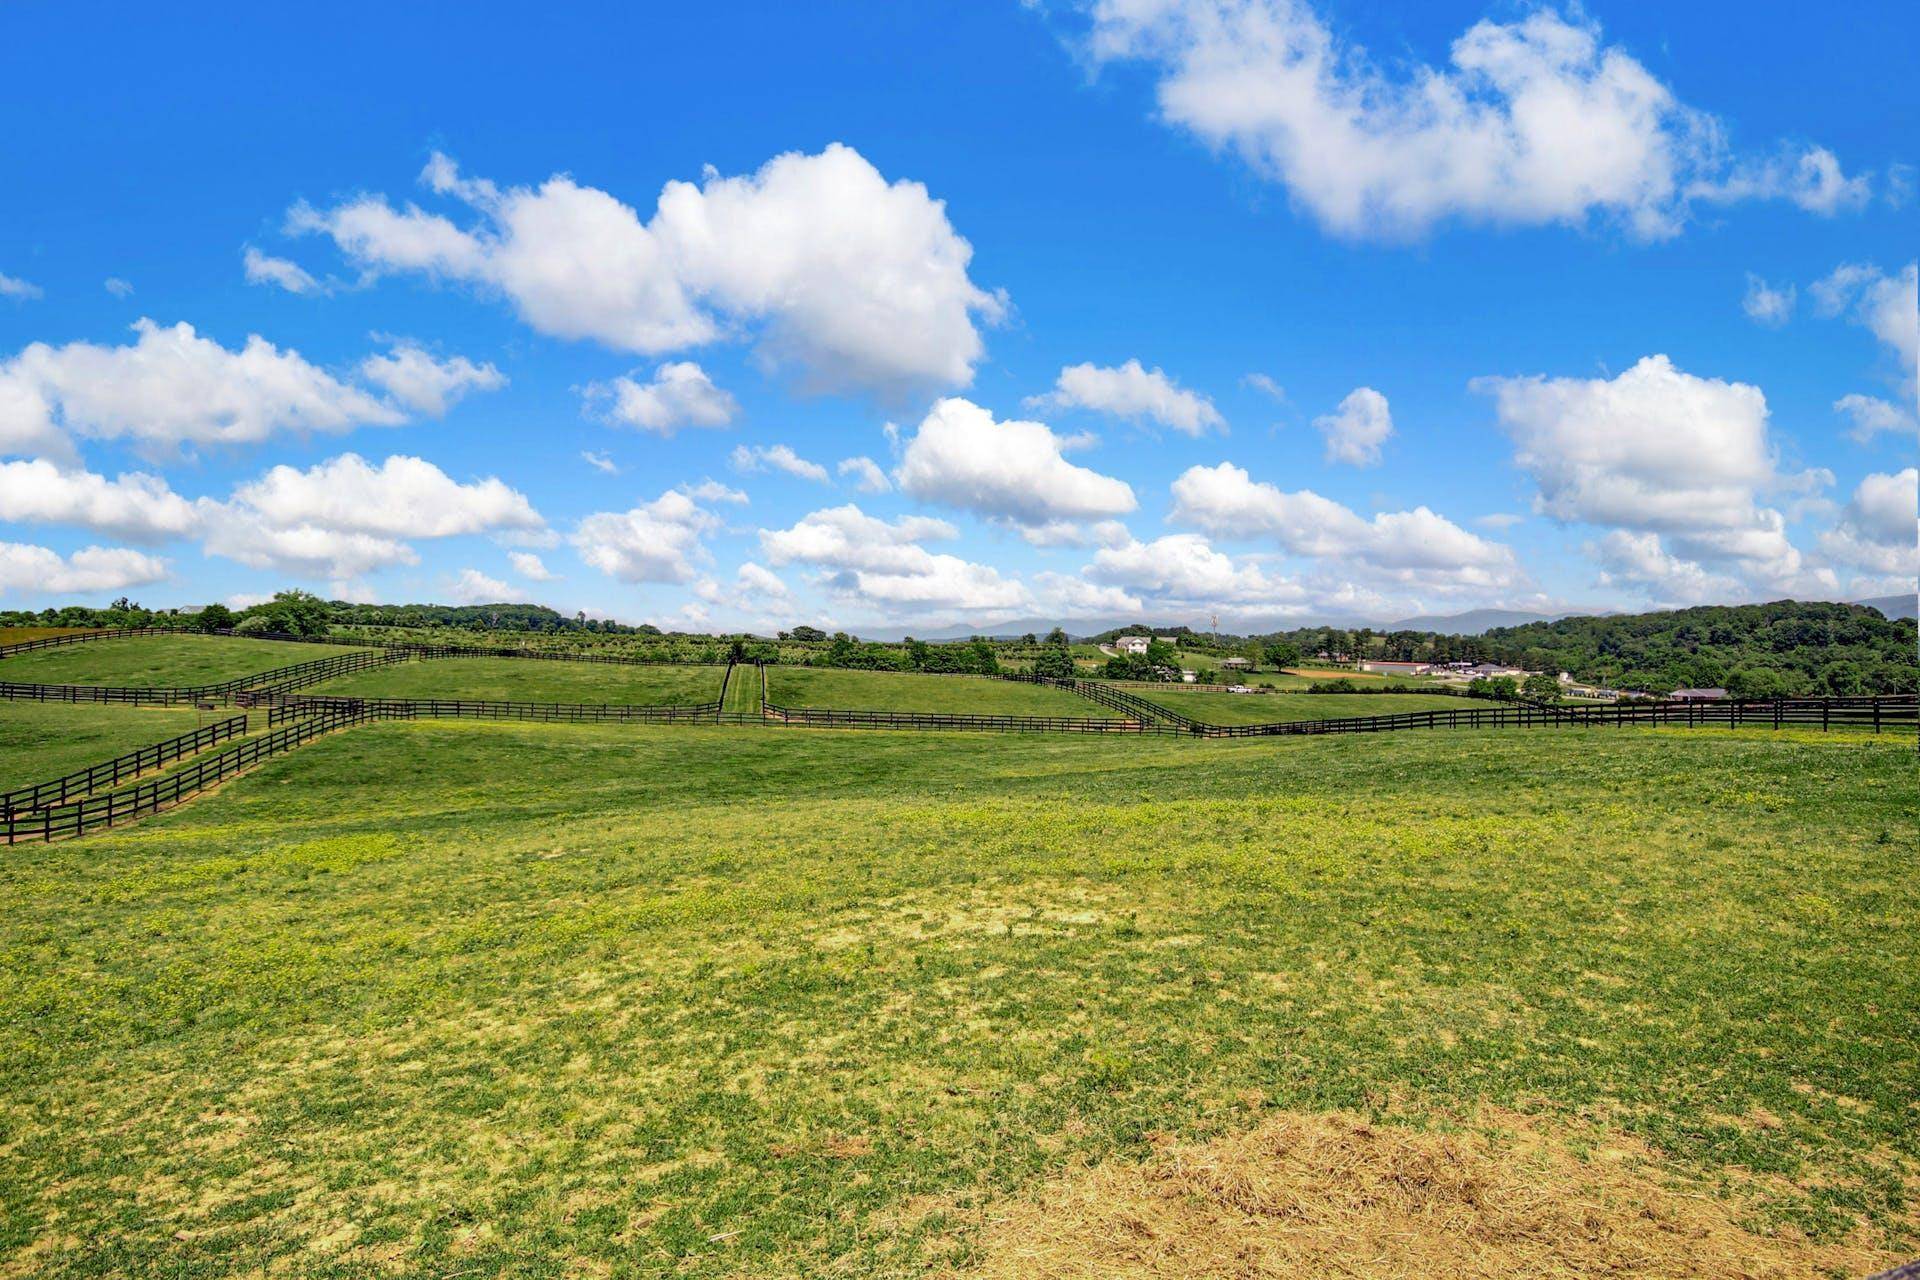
1335, 1195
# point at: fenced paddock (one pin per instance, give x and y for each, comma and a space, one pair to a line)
277, 680
96, 813
496, 679
471, 709
922, 693
174, 659
111, 773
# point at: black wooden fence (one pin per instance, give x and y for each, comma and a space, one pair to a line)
113, 772
1884, 714
278, 680
823, 717
464, 709
81, 637
96, 812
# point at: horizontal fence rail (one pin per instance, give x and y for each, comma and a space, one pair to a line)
465, 709
97, 812
824, 717
278, 680
82, 637
113, 772
1877, 714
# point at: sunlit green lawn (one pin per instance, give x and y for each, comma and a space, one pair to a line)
475, 999
535, 680
904, 691
160, 660
42, 741
1276, 708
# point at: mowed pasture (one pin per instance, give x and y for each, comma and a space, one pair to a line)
467, 999
19, 635
533, 680
1278, 708
160, 661
41, 741
841, 690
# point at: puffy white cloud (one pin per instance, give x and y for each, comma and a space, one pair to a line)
1356, 431
16, 288
27, 568
861, 282
711, 490
173, 387
530, 566
343, 517
960, 457
1184, 569
1652, 448
1871, 415
1411, 546
1809, 177
136, 505
882, 566
1132, 392
681, 394
1535, 121
403, 496
778, 457
426, 385
656, 541
1767, 305
1657, 450
470, 586
866, 474
1639, 562
1880, 528
757, 580
283, 273
846, 537
1888, 306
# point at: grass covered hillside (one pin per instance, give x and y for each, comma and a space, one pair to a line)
479, 1000
534, 680
902, 691
1275, 708
40, 741
173, 660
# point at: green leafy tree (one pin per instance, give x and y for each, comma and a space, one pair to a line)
1541, 687
215, 617
1053, 663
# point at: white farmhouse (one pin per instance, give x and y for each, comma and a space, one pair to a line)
1134, 646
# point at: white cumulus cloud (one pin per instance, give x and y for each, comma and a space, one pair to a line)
860, 282
1534, 121
1357, 431
778, 457
961, 457
530, 566
680, 395
866, 474
470, 586
426, 385
135, 505
657, 541
37, 570
1132, 392
1766, 304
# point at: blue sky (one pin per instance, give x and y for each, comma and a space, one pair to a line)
1161, 308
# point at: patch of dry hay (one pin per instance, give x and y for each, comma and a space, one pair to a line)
1332, 1195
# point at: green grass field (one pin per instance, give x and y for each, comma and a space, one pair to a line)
535, 680
160, 661
42, 741
461, 1000
1276, 708
898, 691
